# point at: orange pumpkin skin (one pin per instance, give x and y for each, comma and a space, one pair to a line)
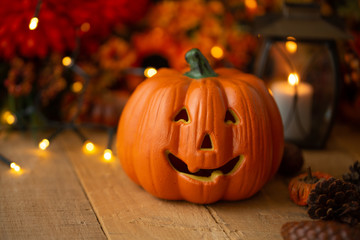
148, 134
299, 190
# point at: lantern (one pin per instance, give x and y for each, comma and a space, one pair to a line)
299, 62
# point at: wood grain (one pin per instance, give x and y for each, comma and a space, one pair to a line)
46, 200
126, 211
66, 194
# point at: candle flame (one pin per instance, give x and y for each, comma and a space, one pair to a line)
293, 79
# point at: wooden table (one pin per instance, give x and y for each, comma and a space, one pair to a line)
63, 193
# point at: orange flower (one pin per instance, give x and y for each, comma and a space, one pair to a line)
116, 54
156, 42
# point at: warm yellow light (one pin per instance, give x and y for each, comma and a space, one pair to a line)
251, 4
149, 72
89, 147
44, 144
9, 118
107, 154
77, 86
291, 46
271, 93
217, 52
85, 27
67, 61
15, 167
293, 79
33, 23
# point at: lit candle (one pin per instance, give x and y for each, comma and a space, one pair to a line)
296, 116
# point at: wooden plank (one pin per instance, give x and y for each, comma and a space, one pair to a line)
262, 216
46, 200
126, 211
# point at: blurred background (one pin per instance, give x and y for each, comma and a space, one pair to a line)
61, 60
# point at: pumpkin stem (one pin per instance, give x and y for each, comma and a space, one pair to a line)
309, 178
309, 172
199, 65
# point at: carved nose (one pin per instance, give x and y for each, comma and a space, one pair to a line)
207, 144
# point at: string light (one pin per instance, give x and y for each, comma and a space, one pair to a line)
44, 144
107, 154
12, 165
15, 167
67, 61
149, 72
9, 118
33, 23
217, 52
34, 20
88, 147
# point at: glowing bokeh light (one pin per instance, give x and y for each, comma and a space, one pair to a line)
107, 154
33, 23
15, 167
77, 86
88, 147
217, 52
149, 72
44, 144
9, 117
293, 79
67, 61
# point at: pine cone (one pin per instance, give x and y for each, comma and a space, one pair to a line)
320, 230
335, 199
354, 175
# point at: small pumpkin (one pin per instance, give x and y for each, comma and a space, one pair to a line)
301, 185
201, 136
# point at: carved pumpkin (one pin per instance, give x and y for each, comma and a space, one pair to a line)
202, 136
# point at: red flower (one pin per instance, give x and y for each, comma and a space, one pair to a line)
60, 22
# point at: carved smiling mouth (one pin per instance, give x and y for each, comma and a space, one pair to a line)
205, 174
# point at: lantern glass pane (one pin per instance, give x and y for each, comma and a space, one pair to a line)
302, 79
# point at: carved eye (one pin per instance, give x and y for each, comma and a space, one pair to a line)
231, 117
182, 116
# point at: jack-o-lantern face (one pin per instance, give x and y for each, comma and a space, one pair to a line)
218, 136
